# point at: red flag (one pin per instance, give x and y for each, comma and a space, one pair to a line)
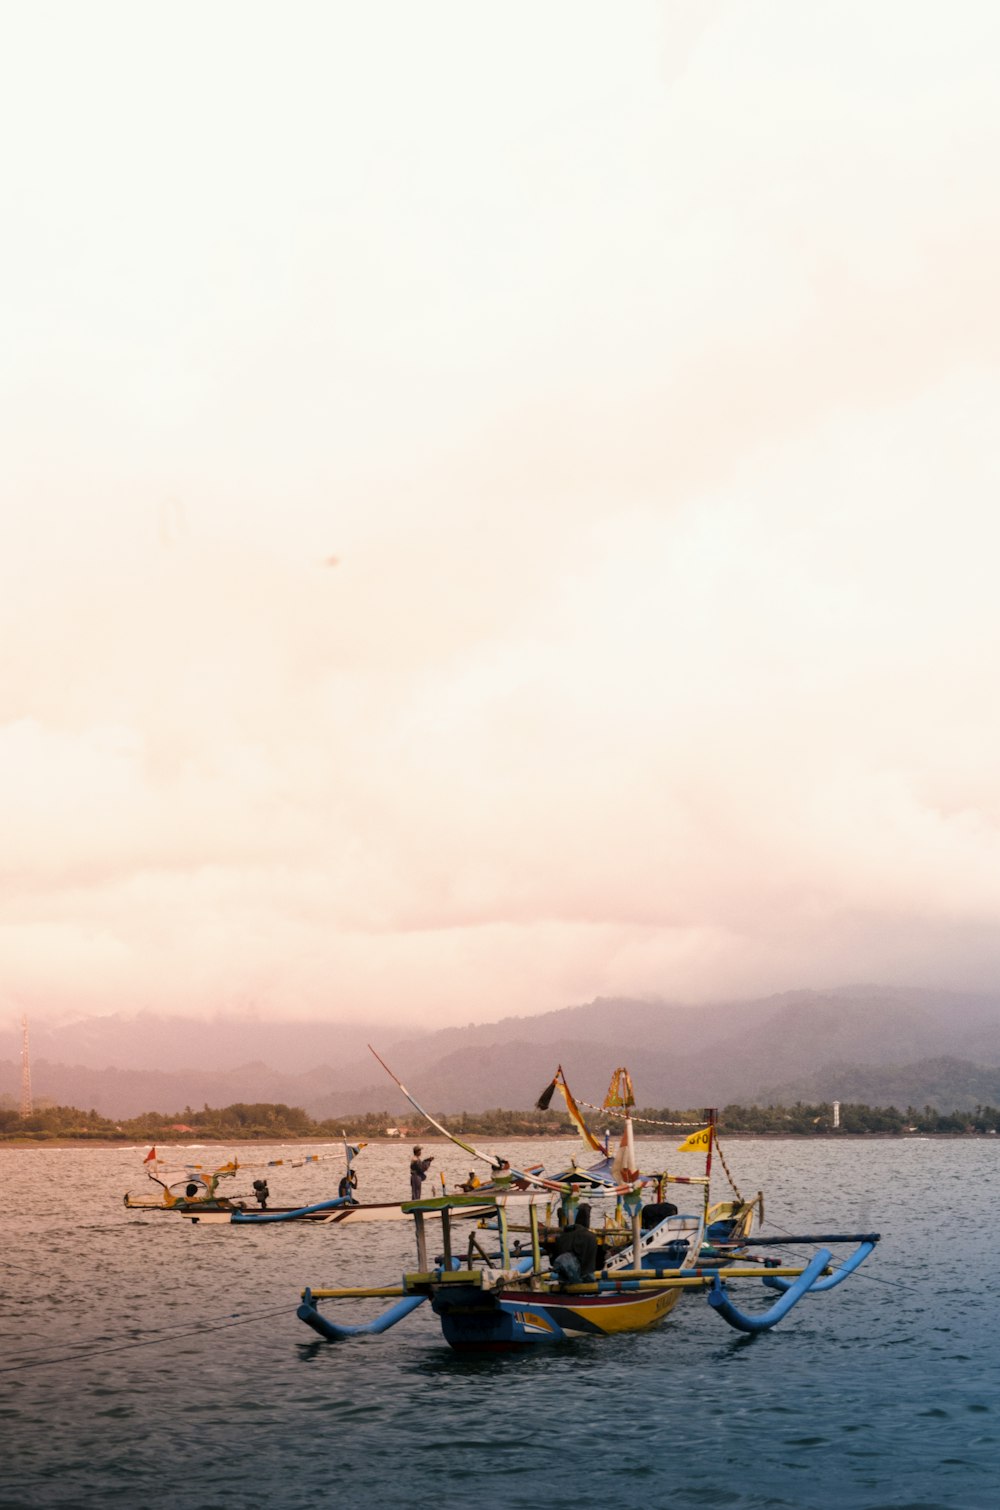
150, 1155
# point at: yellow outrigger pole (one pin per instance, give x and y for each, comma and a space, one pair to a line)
641, 1279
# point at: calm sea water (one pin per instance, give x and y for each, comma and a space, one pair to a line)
148, 1362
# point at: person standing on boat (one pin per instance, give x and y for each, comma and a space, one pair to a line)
418, 1172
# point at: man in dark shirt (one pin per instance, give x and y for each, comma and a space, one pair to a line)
418, 1172
574, 1251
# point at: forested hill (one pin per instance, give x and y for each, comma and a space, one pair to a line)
270, 1123
878, 1045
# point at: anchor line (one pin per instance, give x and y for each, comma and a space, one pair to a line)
238, 1319
895, 1284
722, 1161
221, 1316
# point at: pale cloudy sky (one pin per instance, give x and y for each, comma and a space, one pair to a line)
499, 503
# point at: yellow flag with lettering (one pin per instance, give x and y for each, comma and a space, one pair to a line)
697, 1142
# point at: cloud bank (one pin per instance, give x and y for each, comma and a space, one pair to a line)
499, 510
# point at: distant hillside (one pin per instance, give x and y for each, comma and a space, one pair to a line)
947, 1084
129, 1093
873, 1044
692, 1056
150, 1041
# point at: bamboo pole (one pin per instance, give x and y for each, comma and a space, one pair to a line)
643, 1280
362, 1292
536, 1247
678, 1282
503, 1231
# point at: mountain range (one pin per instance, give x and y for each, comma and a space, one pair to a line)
876, 1044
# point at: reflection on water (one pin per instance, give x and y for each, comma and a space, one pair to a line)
150, 1362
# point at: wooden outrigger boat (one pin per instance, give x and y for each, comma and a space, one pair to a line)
190, 1187
523, 1302
513, 1299
193, 1193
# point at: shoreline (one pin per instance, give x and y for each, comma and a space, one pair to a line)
437, 1141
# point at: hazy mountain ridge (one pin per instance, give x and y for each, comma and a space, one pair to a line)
881, 1045
129, 1093
150, 1041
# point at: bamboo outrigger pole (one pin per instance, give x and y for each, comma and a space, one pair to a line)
646, 1279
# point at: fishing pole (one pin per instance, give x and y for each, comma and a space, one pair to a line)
496, 1161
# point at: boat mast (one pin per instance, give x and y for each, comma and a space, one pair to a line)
711, 1117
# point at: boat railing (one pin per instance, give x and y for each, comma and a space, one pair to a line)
686, 1229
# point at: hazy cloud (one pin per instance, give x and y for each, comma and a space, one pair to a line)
638, 372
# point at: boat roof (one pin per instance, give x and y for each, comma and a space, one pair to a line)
449, 1202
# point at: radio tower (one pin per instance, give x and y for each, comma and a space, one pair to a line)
26, 1107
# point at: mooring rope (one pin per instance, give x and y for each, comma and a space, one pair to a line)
237, 1318
736, 1189
795, 1251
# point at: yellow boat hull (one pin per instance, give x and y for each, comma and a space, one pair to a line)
513, 1319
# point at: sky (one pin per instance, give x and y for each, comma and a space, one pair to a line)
499, 504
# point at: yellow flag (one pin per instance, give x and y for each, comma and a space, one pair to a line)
697, 1142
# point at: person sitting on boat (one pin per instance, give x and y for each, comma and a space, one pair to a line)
472, 1183
655, 1213
418, 1172
262, 1193
574, 1250
347, 1186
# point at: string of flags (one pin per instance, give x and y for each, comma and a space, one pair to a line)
614, 1111
696, 1142
350, 1149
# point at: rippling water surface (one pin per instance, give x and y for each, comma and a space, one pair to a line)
147, 1361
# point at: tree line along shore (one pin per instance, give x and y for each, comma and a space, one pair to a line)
267, 1122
